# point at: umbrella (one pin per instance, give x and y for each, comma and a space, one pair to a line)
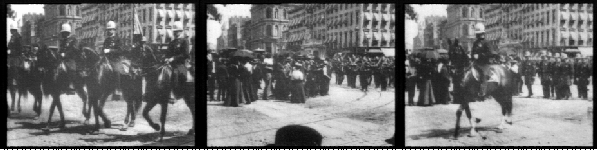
243, 53
429, 54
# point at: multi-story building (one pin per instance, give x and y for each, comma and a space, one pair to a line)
420, 38
55, 17
342, 27
432, 31
551, 27
223, 39
235, 31
461, 21
266, 26
156, 21
28, 30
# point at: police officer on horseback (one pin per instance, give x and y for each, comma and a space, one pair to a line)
112, 49
481, 56
176, 55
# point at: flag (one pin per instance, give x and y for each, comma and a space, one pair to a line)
137, 29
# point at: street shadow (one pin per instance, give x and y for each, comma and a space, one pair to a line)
449, 133
22, 116
79, 129
218, 104
43, 124
175, 141
144, 138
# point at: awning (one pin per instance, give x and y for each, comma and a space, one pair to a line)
386, 17
377, 17
564, 16
573, 16
368, 16
170, 13
161, 13
583, 16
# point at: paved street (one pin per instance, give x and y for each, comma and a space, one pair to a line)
23, 130
536, 122
346, 117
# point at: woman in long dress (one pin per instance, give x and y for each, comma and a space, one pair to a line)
235, 92
297, 79
426, 96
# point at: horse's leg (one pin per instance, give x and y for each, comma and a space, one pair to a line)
101, 104
458, 114
52, 107
150, 104
163, 115
79, 87
137, 102
470, 117
190, 101
59, 105
37, 102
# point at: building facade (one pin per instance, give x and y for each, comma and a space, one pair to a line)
420, 38
156, 21
235, 31
342, 27
266, 26
551, 27
29, 28
223, 39
461, 22
432, 31
55, 16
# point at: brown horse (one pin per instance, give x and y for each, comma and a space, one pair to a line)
102, 82
159, 85
55, 82
466, 88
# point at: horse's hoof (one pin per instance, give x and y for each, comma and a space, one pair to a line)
124, 128
86, 122
46, 130
156, 127
108, 124
499, 130
132, 124
477, 120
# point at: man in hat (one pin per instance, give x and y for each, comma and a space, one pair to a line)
351, 72
545, 75
14, 53
222, 77
411, 80
176, 55
113, 51
211, 75
568, 76
322, 76
268, 62
481, 54
529, 72
583, 78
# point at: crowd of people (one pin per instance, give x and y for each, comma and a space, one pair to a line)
237, 80
432, 77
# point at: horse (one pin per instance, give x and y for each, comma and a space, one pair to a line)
101, 83
132, 91
29, 80
159, 85
54, 82
466, 88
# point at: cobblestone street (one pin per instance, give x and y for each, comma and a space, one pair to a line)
346, 117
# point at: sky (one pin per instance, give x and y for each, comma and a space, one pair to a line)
430, 9
214, 28
21, 9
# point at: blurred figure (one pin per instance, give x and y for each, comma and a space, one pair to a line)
297, 135
298, 89
441, 82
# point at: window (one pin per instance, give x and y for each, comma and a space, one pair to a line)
481, 13
276, 30
571, 42
547, 16
276, 13
284, 12
269, 30
62, 10
268, 13
464, 12
581, 42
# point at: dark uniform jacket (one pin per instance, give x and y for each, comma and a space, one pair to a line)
565, 70
529, 72
14, 45
584, 73
481, 47
178, 49
113, 43
545, 72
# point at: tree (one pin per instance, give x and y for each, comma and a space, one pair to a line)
9, 11
213, 11
410, 11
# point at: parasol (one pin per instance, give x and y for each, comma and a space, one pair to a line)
429, 54
243, 53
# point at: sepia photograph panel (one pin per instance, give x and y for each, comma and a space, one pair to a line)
277, 74
499, 74
93, 74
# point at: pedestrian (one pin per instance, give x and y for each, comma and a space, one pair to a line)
268, 62
529, 74
364, 74
235, 96
516, 76
256, 76
384, 68
567, 70
176, 55
376, 71
247, 80
554, 76
211, 76
222, 76
113, 50
558, 77
441, 82
426, 93
324, 78
411, 81
545, 75
583, 78
298, 90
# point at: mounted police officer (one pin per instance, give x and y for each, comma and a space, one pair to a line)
176, 55
68, 52
113, 51
481, 54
